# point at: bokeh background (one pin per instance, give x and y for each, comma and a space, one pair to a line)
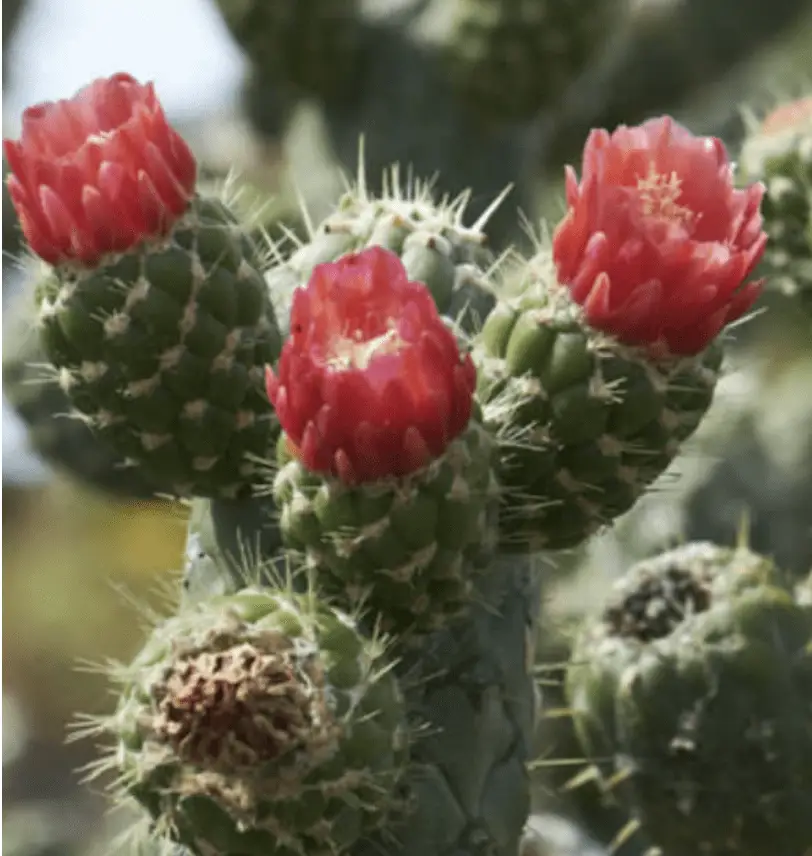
75, 558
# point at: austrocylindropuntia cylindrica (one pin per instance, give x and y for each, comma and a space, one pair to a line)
604, 357
778, 151
260, 723
691, 690
430, 236
386, 481
153, 310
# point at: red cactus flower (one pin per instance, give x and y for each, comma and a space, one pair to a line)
371, 382
99, 172
657, 243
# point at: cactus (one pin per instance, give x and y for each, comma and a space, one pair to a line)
261, 722
496, 48
778, 152
312, 46
695, 681
383, 434
56, 434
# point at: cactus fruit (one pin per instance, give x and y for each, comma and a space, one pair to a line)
386, 480
510, 59
779, 153
436, 248
605, 360
63, 441
695, 681
157, 319
315, 46
261, 723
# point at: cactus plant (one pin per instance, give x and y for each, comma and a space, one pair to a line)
695, 682
346, 418
778, 151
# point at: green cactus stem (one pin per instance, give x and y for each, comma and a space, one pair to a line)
510, 59
695, 681
259, 724
471, 705
407, 551
584, 423
433, 243
55, 432
314, 46
779, 153
163, 350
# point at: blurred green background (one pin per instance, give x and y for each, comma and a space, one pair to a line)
68, 550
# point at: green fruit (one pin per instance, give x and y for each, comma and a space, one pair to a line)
164, 350
510, 59
57, 434
584, 423
312, 45
431, 240
259, 724
695, 682
406, 550
780, 155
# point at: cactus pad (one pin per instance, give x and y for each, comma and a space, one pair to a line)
585, 423
696, 680
164, 351
260, 723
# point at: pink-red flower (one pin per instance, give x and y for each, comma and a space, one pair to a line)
99, 172
371, 382
657, 243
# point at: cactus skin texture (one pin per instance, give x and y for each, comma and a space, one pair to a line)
430, 238
261, 723
470, 699
584, 422
164, 350
408, 549
314, 46
510, 59
779, 153
696, 679
61, 439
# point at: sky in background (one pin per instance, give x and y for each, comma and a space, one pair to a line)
180, 44
61, 45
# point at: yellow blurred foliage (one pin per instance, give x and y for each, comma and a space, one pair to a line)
66, 557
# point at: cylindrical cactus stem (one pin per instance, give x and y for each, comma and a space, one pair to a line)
691, 691
407, 112
261, 722
584, 423
470, 702
386, 481
62, 439
778, 152
430, 236
154, 311
604, 361
511, 59
313, 46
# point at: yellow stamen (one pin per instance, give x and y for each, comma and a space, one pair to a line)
659, 194
351, 352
